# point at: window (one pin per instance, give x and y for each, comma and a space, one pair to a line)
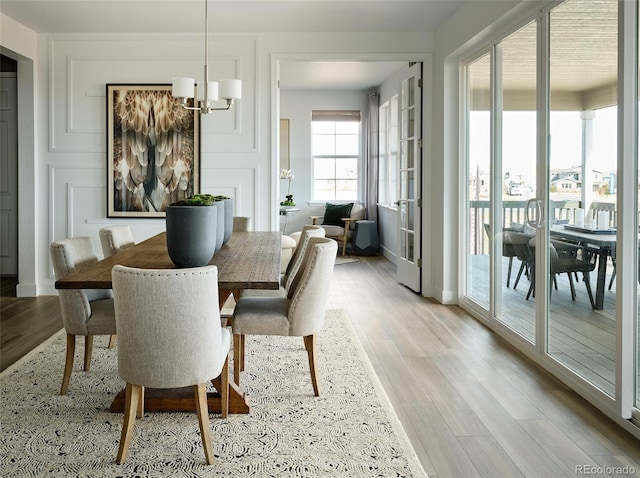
335, 149
388, 154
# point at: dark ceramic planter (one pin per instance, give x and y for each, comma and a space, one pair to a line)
191, 234
228, 219
219, 205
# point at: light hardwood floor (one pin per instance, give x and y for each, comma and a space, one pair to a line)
470, 404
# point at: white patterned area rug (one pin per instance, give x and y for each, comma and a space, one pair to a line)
349, 431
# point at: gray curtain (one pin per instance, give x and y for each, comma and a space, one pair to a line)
371, 158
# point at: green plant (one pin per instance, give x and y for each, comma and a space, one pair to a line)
200, 200
288, 201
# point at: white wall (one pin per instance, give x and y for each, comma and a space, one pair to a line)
297, 106
66, 190
468, 29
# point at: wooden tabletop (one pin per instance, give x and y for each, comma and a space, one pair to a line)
250, 260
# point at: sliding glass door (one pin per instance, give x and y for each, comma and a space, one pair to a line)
546, 236
582, 182
478, 122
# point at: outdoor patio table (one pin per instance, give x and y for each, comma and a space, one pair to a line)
606, 243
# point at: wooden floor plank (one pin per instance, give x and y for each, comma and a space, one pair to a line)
488, 457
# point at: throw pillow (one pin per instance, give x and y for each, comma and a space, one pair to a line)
333, 213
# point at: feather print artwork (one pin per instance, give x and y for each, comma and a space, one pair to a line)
153, 148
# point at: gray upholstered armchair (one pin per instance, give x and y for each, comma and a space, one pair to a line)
84, 312
169, 337
300, 314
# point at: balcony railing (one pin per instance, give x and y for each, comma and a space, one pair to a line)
512, 212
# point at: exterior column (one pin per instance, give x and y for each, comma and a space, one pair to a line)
587, 158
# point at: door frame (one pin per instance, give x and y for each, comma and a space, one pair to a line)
427, 77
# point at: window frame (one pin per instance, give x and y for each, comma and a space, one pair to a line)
335, 117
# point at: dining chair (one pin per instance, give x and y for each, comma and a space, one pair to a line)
299, 314
293, 267
564, 258
113, 239
85, 312
169, 340
507, 248
241, 223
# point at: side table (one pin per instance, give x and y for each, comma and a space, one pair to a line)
284, 211
365, 240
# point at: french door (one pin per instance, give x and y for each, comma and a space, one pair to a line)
409, 174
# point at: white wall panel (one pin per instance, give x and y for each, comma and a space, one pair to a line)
78, 197
81, 66
240, 184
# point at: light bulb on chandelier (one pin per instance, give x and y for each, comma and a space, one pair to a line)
208, 91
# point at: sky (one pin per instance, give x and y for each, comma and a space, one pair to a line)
519, 141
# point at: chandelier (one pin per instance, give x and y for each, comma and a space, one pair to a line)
208, 91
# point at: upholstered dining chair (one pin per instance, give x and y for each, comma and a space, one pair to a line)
85, 312
293, 267
113, 239
300, 314
339, 221
241, 223
169, 340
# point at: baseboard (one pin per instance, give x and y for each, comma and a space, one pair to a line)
28, 290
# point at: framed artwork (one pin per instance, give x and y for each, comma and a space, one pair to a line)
153, 150
285, 162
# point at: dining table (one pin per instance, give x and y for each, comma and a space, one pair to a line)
603, 240
249, 260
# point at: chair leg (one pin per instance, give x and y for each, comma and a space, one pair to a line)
140, 412
130, 406
88, 351
613, 276
532, 285
310, 345
68, 363
112, 341
224, 389
522, 269
587, 283
242, 339
509, 271
238, 357
203, 420
572, 286
344, 241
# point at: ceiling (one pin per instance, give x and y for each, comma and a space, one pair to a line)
144, 16
337, 75
252, 16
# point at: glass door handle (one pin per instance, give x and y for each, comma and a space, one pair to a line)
539, 212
